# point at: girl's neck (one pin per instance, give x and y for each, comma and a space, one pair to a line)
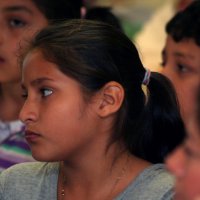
10, 101
99, 179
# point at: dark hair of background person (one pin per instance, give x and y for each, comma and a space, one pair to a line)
103, 14
59, 9
94, 53
186, 24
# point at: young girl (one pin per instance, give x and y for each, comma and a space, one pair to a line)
19, 20
85, 114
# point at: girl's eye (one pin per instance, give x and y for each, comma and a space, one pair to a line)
46, 92
16, 23
182, 68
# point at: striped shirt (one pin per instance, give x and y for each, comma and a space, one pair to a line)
13, 146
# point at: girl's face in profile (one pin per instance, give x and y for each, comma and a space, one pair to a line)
19, 20
184, 164
59, 121
181, 64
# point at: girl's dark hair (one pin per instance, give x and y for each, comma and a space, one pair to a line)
94, 53
162, 128
59, 9
186, 24
103, 14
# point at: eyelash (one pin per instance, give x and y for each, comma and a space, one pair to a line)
42, 92
182, 68
16, 23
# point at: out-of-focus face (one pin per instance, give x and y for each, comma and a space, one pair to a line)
184, 164
181, 64
19, 20
59, 122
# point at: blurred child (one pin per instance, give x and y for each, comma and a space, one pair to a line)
181, 57
151, 38
184, 163
19, 21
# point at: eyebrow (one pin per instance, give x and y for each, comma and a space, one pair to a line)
37, 81
178, 54
17, 8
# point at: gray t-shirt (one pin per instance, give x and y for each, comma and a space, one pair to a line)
38, 181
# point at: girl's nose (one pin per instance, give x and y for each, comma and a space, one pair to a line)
175, 162
28, 112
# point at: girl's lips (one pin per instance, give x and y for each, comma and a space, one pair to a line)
31, 136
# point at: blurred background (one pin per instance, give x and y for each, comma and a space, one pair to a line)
132, 13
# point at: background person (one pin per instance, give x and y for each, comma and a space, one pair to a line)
150, 40
181, 60
19, 21
184, 163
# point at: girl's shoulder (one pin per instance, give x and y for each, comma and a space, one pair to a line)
30, 169
153, 183
27, 180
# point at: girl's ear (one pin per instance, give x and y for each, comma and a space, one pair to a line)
110, 99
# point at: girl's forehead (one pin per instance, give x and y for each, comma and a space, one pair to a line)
35, 61
17, 5
27, 7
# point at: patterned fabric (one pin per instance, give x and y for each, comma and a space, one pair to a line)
13, 147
